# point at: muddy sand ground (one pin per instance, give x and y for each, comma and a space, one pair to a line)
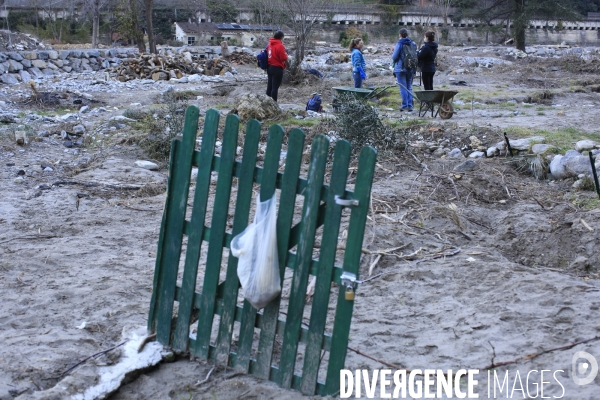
520, 275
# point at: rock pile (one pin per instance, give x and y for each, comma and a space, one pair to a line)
10, 41
22, 66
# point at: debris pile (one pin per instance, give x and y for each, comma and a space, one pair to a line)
242, 58
166, 67
10, 41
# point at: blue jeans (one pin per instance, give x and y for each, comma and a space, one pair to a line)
405, 79
357, 79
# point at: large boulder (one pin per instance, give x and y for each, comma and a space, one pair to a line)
576, 164
557, 169
41, 64
9, 79
539, 148
258, 106
25, 76
14, 66
584, 145
13, 55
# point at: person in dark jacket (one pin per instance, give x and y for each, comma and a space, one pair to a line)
277, 57
427, 55
404, 76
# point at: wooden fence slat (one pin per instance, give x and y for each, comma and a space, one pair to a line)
320, 300
356, 231
156, 283
196, 232
315, 178
240, 221
215, 245
267, 190
172, 236
287, 200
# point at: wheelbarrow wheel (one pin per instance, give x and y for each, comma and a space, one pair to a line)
446, 111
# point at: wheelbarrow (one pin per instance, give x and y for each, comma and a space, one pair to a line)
440, 98
358, 93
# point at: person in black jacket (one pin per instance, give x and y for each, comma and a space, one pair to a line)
426, 57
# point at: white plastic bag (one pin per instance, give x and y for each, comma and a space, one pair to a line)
256, 248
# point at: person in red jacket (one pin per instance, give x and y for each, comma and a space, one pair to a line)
277, 58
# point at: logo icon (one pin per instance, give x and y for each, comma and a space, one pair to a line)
581, 368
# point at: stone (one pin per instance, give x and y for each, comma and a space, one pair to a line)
52, 54
21, 137
440, 151
492, 151
41, 64
585, 145
13, 55
475, 142
35, 72
52, 66
68, 144
579, 263
84, 109
477, 154
58, 63
194, 175
455, 153
26, 63
540, 148
44, 133
47, 72
557, 169
29, 55
25, 76
9, 79
521, 144
43, 55
19, 179
468, 165
64, 54
79, 129
576, 164
93, 53
146, 165
66, 68
14, 66
69, 117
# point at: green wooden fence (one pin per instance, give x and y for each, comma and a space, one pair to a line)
322, 206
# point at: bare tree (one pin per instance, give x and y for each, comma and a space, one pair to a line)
56, 11
128, 22
445, 7
304, 15
268, 13
95, 8
148, 8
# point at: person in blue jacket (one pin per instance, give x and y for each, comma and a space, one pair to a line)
404, 76
427, 55
358, 62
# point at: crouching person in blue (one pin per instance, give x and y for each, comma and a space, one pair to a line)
405, 66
